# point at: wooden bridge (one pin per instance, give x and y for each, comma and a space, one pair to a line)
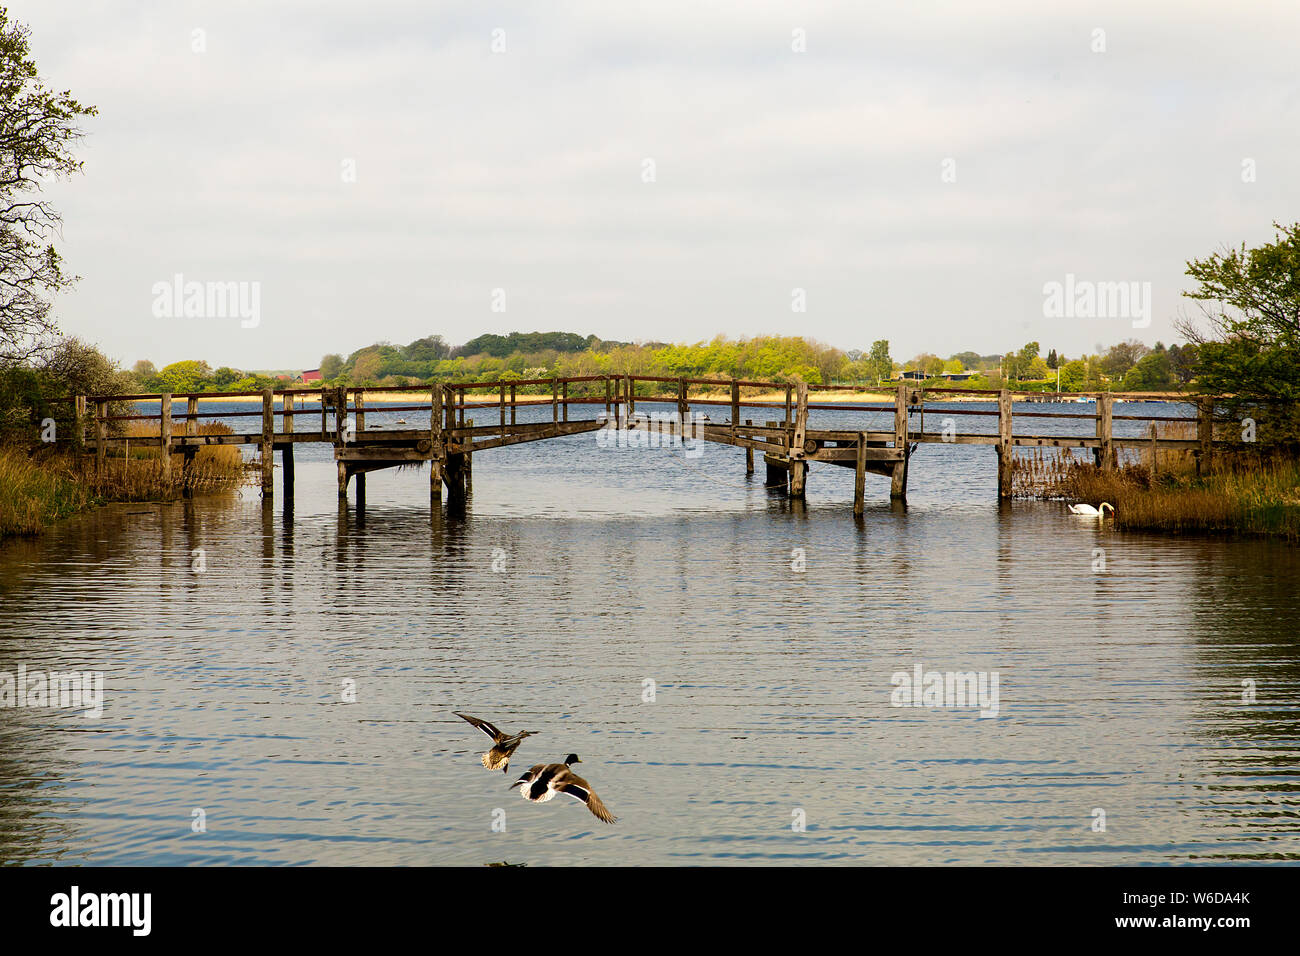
447, 439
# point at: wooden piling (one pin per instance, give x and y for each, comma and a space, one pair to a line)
340, 415
1205, 434
190, 451
101, 436
1105, 408
860, 475
343, 480
555, 403
513, 420
749, 453
286, 450
735, 406
359, 403
796, 452
565, 395
469, 462
268, 439
436, 446
79, 423
165, 435
1004, 444
898, 474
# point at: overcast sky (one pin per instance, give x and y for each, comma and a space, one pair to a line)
773, 170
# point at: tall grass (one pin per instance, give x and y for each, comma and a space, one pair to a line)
33, 493
1249, 493
39, 486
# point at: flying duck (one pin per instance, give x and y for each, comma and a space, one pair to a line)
545, 780
503, 745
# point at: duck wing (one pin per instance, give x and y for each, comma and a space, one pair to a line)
579, 788
488, 728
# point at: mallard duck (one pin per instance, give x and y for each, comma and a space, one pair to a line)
547, 779
503, 745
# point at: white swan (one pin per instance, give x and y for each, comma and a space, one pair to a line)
1088, 511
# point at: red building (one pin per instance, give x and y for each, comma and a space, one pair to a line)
311, 375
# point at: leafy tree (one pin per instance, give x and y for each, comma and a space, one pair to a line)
37, 130
1251, 301
331, 366
1152, 373
367, 366
184, 377
226, 376
879, 362
1182, 359
1122, 357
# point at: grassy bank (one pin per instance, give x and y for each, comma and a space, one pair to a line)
1251, 495
42, 486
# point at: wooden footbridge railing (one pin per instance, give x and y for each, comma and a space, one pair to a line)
447, 439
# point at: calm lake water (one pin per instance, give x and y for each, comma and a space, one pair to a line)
1120, 691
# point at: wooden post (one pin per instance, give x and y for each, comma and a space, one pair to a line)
787, 408
268, 438
461, 395
503, 411
860, 475
798, 463
187, 456
735, 406
898, 475
1105, 405
683, 407
1205, 433
361, 490
555, 400
1155, 451
101, 436
749, 453
286, 450
631, 398
513, 420
1004, 443
565, 394
359, 402
79, 423
435, 443
340, 416
469, 460
343, 480
324, 419
165, 435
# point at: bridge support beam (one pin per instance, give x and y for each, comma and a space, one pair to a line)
344, 475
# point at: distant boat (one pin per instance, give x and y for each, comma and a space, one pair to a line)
401, 421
